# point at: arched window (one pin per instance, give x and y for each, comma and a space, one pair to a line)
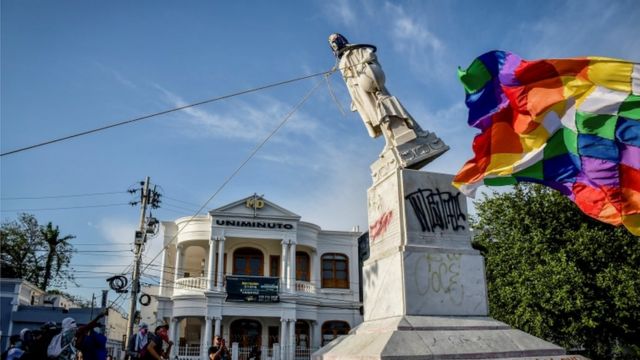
331, 330
335, 271
248, 261
302, 266
302, 334
247, 333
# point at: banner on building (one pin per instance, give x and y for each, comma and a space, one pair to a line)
252, 288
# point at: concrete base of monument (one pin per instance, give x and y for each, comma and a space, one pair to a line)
439, 337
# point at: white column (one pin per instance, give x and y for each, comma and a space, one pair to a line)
206, 341
315, 270
316, 335
220, 263
162, 270
283, 267
216, 330
283, 339
292, 338
173, 336
178, 268
292, 267
212, 265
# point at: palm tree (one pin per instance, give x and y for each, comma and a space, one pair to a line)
59, 253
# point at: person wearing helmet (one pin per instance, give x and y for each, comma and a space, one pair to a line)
382, 113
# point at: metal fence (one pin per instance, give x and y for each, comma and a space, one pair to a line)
248, 353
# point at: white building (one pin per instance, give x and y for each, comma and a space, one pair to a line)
254, 273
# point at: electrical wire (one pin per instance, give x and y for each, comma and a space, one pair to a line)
144, 117
182, 201
62, 196
66, 208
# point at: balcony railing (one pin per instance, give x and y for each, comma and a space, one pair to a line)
305, 287
195, 283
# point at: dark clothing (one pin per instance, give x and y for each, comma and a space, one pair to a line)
156, 341
212, 350
224, 355
131, 349
94, 347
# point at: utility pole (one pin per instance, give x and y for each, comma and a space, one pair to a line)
140, 239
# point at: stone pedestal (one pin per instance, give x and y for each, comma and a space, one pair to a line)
425, 293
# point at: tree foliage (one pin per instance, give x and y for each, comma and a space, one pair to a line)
560, 275
35, 253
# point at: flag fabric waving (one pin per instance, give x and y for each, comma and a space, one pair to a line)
570, 124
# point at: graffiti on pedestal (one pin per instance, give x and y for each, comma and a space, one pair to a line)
437, 209
439, 275
379, 227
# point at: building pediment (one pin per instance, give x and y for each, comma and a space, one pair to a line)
254, 207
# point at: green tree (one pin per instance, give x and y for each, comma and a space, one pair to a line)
21, 240
35, 253
560, 275
58, 255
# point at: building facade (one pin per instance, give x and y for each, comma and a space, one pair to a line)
255, 274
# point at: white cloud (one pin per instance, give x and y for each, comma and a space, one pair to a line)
116, 230
243, 121
410, 35
339, 11
117, 75
423, 49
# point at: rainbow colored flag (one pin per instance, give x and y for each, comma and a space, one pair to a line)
570, 124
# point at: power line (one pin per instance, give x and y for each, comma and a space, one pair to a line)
182, 201
66, 208
165, 112
62, 196
102, 244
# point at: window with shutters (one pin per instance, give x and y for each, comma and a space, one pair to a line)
335, 271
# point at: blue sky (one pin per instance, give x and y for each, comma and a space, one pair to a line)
70, 66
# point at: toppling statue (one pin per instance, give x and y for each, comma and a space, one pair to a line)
381, 112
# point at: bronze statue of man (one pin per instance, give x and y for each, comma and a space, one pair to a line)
381, 112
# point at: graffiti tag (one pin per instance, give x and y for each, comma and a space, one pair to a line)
380, 226
442, 275
437, 209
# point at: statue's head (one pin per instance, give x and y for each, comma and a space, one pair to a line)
337, 42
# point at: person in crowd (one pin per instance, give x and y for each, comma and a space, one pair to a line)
41, 340
15, 350
155, 345
94, 345
72, 335
219, 350
138, 343
30, 342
